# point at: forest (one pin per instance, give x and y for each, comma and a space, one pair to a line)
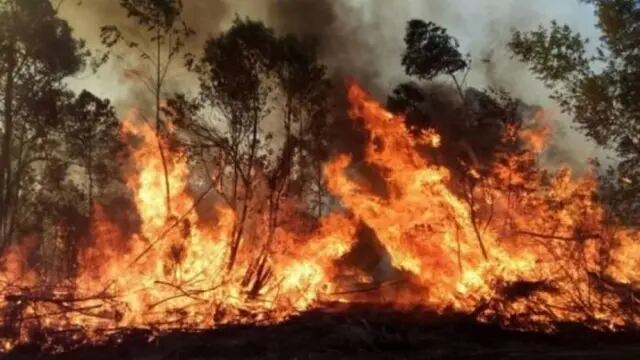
278, 187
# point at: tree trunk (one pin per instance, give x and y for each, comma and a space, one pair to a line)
13, 195
90, 193
158, 127
5, 157
238, 231
166, 174
239, 226
319, 185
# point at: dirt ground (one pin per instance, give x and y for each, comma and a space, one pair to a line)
357, 333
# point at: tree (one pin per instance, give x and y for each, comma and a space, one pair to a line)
305, 91
57, 217
431, 53
236, 79
37, 53
458, 113
600, 90
471, 122
92, 137
166, 35
247, 75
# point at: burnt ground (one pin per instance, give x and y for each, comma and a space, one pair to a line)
358, 333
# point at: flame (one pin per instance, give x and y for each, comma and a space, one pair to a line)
517, 245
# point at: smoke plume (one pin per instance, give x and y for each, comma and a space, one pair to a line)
363, 40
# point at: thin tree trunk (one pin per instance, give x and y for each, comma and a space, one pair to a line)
474, 221
158, 127
235, 245
236, 170
90, 195
166, 175
319, 185
5, 158
14, 195
238, 232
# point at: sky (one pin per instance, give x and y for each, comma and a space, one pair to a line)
366, 42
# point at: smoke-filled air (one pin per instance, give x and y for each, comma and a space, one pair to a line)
244, 164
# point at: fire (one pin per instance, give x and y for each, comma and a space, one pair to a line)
513, 244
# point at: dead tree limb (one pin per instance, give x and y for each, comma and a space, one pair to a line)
172, 226
580, 237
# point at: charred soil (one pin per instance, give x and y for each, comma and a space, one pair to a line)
356, 332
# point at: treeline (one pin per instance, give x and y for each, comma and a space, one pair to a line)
266, 115
48, 132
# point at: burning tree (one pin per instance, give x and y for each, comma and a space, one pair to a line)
272, 106
598, 89
92, 139
32, 89
39, 194
491, 235
166, 33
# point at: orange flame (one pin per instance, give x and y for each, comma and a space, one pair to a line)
518, 246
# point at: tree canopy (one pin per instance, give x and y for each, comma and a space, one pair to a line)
471, 121
598, 87
44, 129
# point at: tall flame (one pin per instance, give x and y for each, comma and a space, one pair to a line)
516, 245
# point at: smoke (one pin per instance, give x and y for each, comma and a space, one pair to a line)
363, 40
118, 79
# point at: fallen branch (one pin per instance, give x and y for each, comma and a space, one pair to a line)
581, 237
54, 300
172, 226
183, 293
371, 287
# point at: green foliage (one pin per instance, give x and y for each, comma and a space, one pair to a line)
471, 122
47, 132
163, 23
166, 33
247, 76
257, 126
234, 73
92, 137
554, 55
37, 53
41, 36
599, 91
430, 51
154, 13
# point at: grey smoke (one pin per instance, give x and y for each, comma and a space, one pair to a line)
363, 39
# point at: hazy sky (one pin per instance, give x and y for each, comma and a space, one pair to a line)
371, 42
